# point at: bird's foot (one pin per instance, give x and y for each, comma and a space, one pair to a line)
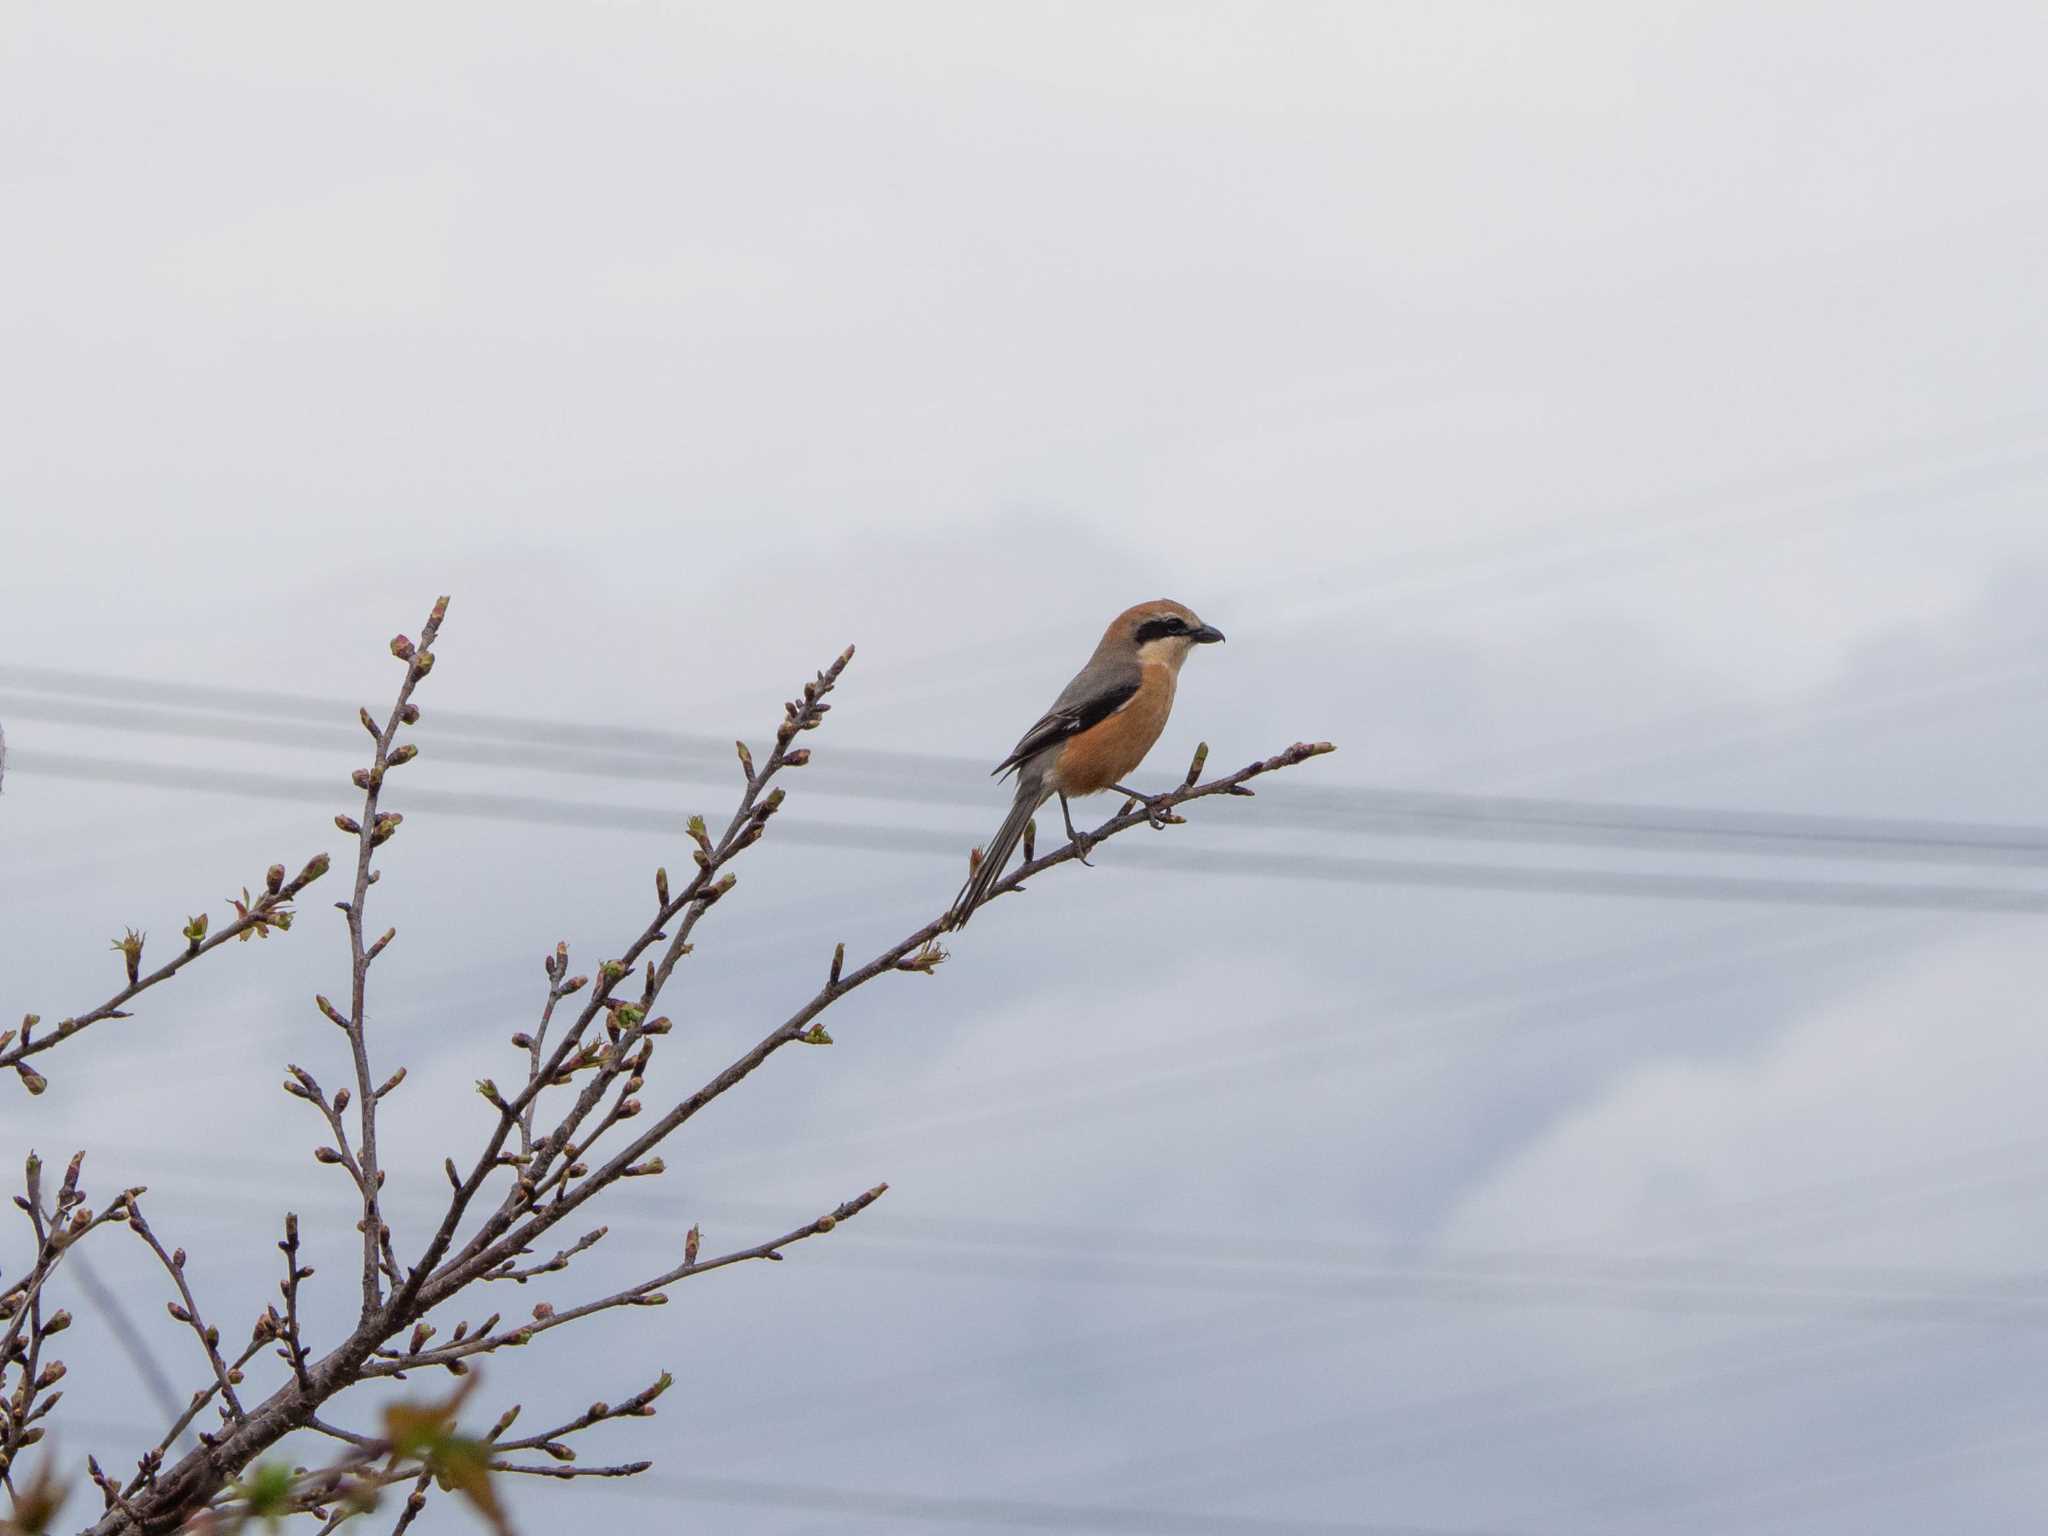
1157, 809
1081, 840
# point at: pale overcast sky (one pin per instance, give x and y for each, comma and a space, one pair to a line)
1619, 402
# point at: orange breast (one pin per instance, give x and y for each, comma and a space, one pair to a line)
1111, 749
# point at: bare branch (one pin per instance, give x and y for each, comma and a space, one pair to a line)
346, 1436
918, 951
709, 885
589, 1060
57, 1229
151, 1460
255, 916
624, 1469
414, 1503
186, 1310
635, 1295
559, 1262
289, 1330
372, 831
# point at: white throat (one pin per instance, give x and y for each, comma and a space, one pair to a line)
1168, 651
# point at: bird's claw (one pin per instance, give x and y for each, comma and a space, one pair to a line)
1083, 844
1158, 808
1157, 813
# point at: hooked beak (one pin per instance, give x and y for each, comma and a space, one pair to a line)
1208, 634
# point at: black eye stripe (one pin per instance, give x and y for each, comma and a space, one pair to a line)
1159, 629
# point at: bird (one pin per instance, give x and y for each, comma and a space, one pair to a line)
1096, 733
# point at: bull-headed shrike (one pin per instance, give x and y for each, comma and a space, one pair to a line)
1096, 733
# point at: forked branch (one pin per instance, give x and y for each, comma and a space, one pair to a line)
575, 1122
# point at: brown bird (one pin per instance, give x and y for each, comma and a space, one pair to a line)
1096, 733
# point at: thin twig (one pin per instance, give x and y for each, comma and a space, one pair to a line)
632, 1295
268, 911
414, 1503
372, 831
528, 1469
294, 1339
186, 1310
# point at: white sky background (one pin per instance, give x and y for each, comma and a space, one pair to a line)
1617, 401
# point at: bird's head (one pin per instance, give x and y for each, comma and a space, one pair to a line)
1162, 631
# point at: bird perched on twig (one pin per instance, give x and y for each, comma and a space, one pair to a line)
1097, 731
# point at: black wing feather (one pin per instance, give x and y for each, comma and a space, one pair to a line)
1070, 717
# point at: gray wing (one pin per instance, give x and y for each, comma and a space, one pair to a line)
1098, 691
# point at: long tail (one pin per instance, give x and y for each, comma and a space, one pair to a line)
1030, 796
